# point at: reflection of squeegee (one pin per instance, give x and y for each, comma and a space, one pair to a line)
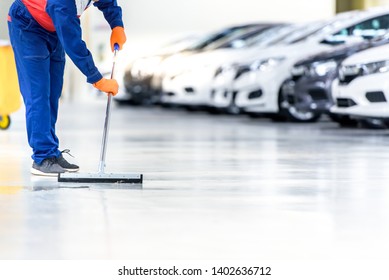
101, 176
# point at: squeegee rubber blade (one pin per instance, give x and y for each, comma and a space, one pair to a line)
101, 178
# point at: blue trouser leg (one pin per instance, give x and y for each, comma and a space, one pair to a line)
40, 63
57, 66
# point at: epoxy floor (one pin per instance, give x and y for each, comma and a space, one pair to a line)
215, 187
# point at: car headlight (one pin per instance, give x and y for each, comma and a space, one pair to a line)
375, 67
266, 64
322, 68
350, 72
258, 65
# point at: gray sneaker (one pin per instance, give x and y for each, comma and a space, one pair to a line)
48, 167
69, 167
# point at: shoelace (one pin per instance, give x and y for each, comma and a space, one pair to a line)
67, 151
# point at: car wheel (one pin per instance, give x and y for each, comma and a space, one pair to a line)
295, 114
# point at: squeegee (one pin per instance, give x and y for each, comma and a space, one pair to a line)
101, 176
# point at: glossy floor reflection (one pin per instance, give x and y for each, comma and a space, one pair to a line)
215, 187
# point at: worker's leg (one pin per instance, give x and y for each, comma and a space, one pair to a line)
32, 57
57, 68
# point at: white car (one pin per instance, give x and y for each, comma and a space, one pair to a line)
361, 91
255, 87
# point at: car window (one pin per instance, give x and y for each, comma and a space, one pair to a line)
367, 29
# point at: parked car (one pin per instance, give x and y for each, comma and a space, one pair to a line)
142, 81
307, 94
361, 92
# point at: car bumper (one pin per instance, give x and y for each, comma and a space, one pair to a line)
258, 91
188, 89
366, 96
222, 93
309, 94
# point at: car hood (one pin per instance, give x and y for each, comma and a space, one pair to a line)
338, 53
371, 55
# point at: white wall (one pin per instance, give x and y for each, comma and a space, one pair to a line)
152, 16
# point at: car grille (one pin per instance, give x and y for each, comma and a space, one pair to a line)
189, 90
348, 73
347, 79
345, 102
375, 96
255, 94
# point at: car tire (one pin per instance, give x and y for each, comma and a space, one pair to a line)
293, 114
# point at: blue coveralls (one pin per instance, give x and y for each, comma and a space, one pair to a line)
40, 63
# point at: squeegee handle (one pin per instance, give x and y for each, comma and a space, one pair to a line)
107, 118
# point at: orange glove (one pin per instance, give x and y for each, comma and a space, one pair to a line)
107, 85
118, 37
